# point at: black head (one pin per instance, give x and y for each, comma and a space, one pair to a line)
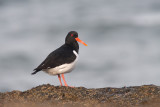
71, 41
71, 37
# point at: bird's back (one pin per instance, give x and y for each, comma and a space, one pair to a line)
62, 55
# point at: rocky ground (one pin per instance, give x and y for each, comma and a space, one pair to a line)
59, 96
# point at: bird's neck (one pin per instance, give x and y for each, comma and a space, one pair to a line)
74, 45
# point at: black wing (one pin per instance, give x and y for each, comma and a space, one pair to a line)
58, 57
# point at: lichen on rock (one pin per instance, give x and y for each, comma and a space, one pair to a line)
59, 96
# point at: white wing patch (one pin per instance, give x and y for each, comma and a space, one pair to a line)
65, 68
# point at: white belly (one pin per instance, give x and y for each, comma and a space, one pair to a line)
65, 68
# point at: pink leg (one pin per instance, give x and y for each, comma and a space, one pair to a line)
59, 77
64, 80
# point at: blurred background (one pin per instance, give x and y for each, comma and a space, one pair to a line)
123, 38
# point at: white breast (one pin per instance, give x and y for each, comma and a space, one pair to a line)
65, 68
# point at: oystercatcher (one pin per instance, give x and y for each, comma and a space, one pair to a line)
63, 59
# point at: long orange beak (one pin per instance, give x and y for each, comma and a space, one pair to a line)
77, 39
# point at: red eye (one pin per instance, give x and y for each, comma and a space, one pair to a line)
71, 34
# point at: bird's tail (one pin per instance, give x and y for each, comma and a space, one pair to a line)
35, 71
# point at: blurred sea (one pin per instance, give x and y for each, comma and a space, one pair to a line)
123, 38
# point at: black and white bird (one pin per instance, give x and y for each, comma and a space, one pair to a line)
63, 59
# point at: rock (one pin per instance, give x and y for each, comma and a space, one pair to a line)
60, 96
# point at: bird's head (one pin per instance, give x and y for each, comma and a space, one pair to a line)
72, 37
